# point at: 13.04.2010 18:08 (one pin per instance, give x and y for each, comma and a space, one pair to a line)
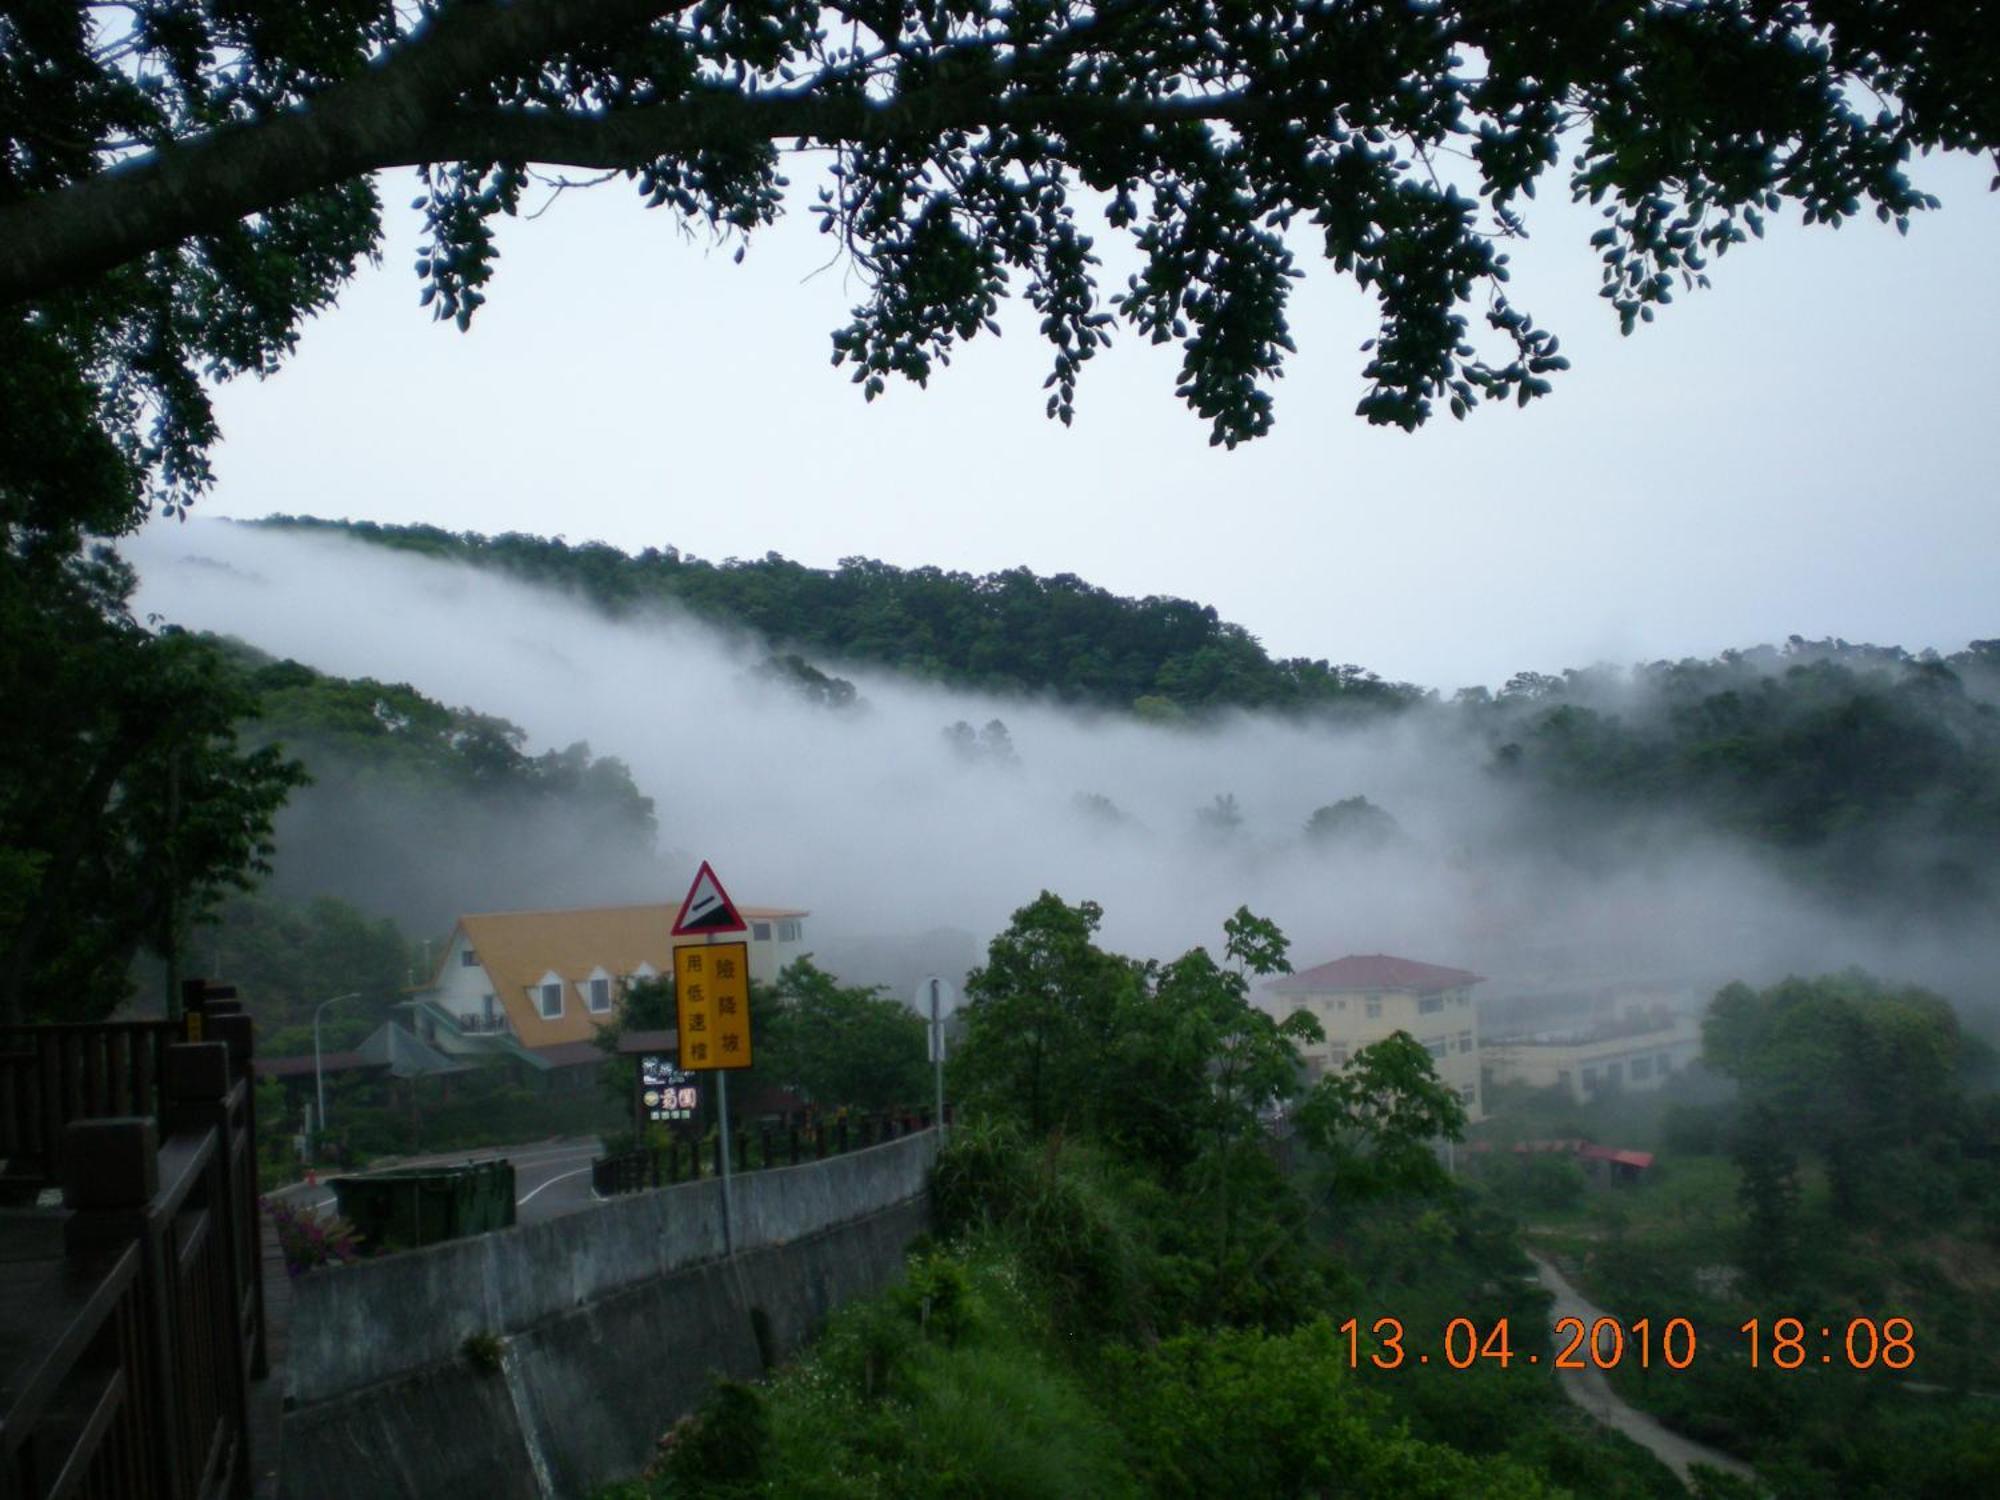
1605, 1343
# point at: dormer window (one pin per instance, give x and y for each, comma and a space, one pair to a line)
549, 996
597, 991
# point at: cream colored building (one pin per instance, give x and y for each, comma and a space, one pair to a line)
1363, 998
544, 978
1638, 1051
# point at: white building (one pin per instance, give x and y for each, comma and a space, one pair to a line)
1637, 1051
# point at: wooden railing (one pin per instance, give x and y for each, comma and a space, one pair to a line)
50, 1075
769, 1145
129, 1352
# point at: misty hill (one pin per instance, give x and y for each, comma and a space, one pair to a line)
1872, 774
1013, 631
1869, 774
419, 811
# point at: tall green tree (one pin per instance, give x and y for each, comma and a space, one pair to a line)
843, 1045
1378, 1122
1845, 1067
1041, 1013
1768, 1191
129, 808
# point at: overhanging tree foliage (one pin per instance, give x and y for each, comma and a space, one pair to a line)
128, 807
182, 180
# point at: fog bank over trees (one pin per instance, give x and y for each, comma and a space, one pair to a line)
1600, 825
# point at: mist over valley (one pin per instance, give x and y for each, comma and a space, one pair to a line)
865, 808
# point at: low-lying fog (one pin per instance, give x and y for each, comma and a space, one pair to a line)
873, 823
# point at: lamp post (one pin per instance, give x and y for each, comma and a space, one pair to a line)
319, 1077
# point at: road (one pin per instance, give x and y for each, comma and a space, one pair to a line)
1589, 1389
551, 1178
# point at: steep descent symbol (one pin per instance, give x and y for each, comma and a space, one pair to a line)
707, 907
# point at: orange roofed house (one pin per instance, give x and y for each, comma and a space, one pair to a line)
1364, 997
539, 984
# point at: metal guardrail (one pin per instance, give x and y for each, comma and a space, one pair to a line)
130, 1350
776, 1145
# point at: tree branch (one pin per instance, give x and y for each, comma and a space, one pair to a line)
407, 111
62, 239
618, 139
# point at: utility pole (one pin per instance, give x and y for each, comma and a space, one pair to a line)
319, 1075
937, 1054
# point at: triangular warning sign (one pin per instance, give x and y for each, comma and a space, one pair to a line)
708, 907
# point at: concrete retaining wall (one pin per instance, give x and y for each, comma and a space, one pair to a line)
613, 1322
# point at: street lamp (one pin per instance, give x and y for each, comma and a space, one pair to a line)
319, 1078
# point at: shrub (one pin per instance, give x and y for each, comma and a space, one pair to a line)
310, 1240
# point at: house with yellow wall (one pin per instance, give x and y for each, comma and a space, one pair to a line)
1363, 998
549, 979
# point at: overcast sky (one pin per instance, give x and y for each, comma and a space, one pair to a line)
1803, 448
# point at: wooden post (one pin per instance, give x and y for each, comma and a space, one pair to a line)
111, 1174
235, 1030
199, 1084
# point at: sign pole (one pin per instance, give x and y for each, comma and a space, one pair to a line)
728, 1218
728, 1150
712, 1009
937, 1056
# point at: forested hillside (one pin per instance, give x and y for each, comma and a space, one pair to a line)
421, 811
402, 814
1011, 632
1871, 774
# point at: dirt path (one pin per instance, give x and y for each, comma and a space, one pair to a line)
1590, 1390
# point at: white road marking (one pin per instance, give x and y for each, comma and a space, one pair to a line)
518, 1202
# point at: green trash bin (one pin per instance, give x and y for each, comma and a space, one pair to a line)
408, 1207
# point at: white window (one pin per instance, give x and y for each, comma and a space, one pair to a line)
788, 932
1469, 1094
1465, 1041
467, 959
1437, 1046
552, 999
600, 993
1337, 1056
760, 932
1426, 1004
1374, 1010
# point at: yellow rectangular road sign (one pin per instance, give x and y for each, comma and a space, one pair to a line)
712, 998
